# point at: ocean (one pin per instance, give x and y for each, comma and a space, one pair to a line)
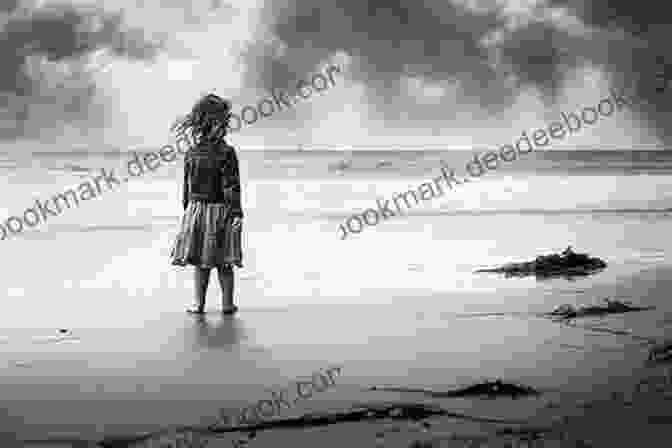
613, 204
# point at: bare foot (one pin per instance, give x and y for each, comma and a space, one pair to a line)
195, 310
230, 310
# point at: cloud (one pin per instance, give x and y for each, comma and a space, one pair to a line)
429, 70
47, 80
9, 5
465, 65
629, 40
388, 41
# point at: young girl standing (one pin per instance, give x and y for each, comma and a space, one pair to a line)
211, 227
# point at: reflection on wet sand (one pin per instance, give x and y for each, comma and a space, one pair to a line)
221, 332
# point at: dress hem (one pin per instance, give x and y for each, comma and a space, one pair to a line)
205, 266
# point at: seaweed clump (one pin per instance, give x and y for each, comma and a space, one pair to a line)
566, 264
568, 312
661, 352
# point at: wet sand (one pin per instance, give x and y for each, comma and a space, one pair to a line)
153, 374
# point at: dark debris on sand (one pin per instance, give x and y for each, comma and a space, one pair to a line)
568, 264
568, 312
366, 412
661, 352
489, 389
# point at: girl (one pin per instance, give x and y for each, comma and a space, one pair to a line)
210, 231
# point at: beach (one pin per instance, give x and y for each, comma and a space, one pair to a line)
398, 305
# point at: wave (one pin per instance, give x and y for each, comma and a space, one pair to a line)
76, 168
504, 212
76, 228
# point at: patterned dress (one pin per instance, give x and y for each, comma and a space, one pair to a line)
211, 199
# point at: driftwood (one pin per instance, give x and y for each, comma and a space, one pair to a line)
567, 264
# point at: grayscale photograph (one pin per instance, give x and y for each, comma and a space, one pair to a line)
335, 223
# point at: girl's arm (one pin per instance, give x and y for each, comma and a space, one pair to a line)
236, 209
185, 185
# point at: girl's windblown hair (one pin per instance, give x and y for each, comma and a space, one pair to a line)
208, 119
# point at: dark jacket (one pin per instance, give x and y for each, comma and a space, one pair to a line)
211, 175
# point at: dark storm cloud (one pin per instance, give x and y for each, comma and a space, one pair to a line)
634, 17
439, 41
637, 50
34, 92
387, 39
9, 5
539, 54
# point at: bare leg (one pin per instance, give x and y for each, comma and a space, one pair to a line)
201, 280
226, 282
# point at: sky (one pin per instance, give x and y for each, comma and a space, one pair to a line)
446, 74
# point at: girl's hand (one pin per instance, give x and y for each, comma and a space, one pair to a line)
237, 221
